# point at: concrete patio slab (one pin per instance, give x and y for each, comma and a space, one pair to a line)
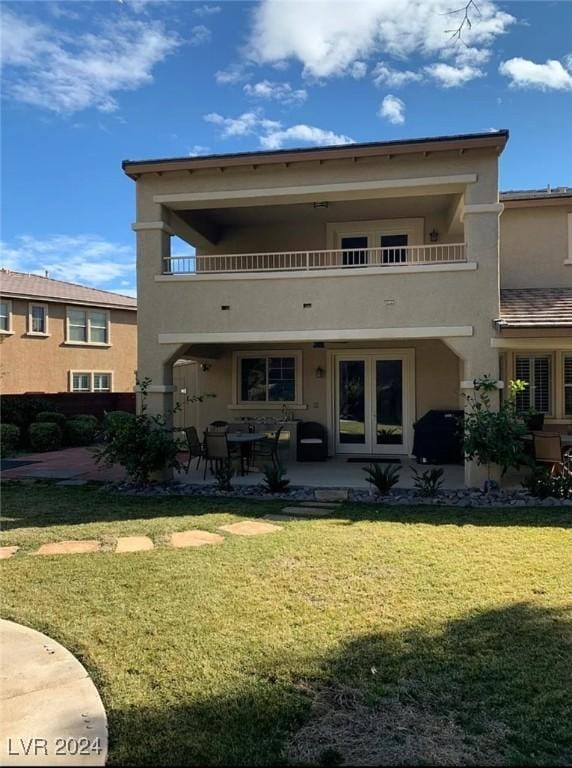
320, 504
72, 482
48, 703
133, 544
307, 511
195, 538
71, 547
6, 552
331, 494
250, 528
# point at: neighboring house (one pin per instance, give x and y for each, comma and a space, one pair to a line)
62, 337
358, 286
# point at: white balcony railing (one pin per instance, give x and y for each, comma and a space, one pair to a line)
290, 261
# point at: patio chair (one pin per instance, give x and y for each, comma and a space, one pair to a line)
194, 446
312, 442
216, 450
268, 448
548, 451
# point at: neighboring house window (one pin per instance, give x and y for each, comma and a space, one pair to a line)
5, 317
87, 381
102, 382
38, 319
268, 378
568, 385
88, 327
81, 382
537, 371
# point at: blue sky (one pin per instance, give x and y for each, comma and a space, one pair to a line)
86, 85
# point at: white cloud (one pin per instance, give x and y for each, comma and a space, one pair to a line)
83, 258
66, 73
452, 77
549, 76
358, 70
307, 134
383, 74
198, 149
282, 92
272, 134
232, 75
392, 109
207, 10
199, 35
336, 33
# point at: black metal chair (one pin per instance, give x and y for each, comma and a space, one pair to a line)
311, 442
268, 448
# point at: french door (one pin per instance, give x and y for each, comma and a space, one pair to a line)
374, 407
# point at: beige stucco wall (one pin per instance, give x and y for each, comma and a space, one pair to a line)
42, 364
534, 246
436, 383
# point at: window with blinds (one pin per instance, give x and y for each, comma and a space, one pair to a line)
537, 371
568, 385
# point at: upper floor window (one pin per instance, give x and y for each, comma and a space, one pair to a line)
87, 326
38, 319
536, 370
5, 316
272, 379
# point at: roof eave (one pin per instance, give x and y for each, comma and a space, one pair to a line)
492, 140
70, 301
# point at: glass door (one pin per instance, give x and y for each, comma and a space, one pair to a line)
388, 384
373, 414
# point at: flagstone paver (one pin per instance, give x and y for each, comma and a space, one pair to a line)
306, 511
278, 517
250, 528
133, 544
331, 494
195, 538
321, 504
6, 552
71, 547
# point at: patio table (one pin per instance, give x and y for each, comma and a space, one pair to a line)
245, 440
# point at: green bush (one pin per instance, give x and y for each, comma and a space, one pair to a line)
22, 410
542, 485
9, 439
45, 436
52, 417
382, 478
86, 417
429, 482
114, 418
224, 473
274, 479
80, 431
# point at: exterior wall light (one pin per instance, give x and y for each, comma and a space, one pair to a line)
433, 236
320, 372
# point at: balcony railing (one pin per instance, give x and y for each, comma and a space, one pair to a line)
295, 261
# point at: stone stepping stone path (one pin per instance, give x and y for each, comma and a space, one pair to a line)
250, 528
133, 544
194, 539
72, 547
6, 552
307, 512
278, 517
331, 494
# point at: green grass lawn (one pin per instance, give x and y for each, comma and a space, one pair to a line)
380, 635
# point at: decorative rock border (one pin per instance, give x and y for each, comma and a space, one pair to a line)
463, 497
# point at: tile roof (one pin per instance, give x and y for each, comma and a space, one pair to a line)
535, 194
21, 284
535, 308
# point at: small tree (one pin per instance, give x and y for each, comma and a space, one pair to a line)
494, 436
143, 444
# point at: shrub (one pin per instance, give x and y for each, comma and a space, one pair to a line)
383, 478
45, 436
22, 410
429, 482
52, 417
9, 439
224, 473
274, 479
540, 484
86, 417
143, 445
80, 431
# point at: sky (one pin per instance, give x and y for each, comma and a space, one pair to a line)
86, 85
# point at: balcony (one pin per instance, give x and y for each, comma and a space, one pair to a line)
309, 261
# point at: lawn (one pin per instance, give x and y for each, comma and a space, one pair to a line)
380, 635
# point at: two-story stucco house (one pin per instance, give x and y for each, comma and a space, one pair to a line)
63, 337
358, 286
